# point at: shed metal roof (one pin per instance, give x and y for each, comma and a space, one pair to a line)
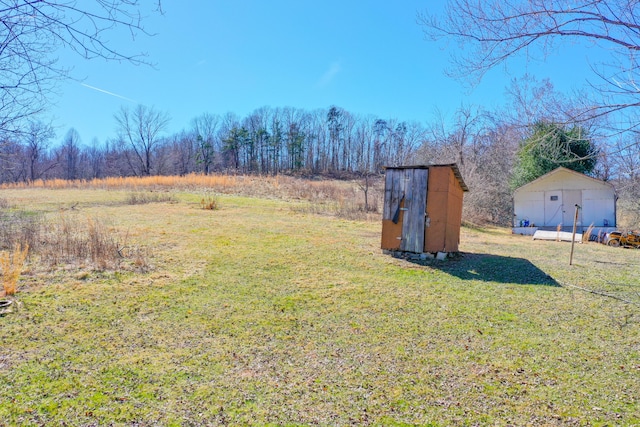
453, 166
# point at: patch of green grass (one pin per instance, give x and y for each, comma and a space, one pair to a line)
259, 314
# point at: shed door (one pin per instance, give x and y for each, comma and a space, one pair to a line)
553, 214
415, 205
571, 198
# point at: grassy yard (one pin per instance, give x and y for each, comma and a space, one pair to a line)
259, 313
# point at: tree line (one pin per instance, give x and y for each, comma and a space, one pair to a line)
495, 151
267, 141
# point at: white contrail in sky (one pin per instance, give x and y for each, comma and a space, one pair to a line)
329, 75
107, 92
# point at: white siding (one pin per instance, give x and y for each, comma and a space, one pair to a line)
596, 198
529, 206
598, 206
571, 198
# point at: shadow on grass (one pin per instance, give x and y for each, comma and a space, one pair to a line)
494, 268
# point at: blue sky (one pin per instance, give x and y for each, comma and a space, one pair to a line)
219, 56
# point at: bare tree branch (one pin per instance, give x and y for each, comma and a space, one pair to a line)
489, 33
32, 30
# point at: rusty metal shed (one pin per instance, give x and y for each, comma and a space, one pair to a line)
422, 208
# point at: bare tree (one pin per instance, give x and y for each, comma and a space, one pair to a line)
183, 152
484, 146
489, 170
95, 160
141, 131
36, 140
205, 128
625, 168
335, 125
30, 33
295, 138
496, 30
13, 161
70, 154
530, 100
456, 137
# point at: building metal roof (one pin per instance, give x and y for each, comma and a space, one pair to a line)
558, 170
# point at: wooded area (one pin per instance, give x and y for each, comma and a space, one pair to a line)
330, 142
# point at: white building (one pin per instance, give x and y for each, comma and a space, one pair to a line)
549, 202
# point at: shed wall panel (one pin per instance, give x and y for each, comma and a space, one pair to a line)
553, 208
439, 180
444, 210
393, 191
604, 194
454, 216
435, 234
529, 196
599, 206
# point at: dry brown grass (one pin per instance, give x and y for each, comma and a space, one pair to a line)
11, 263
344, 199
69, 239
144, 197
210, 203
66, 238
586, 236
21, 227
134, 183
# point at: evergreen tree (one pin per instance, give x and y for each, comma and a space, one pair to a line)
552, 145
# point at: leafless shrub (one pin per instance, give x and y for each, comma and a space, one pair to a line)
69, 240
347, 204
353, 208
629, 210
348, 209
209, 202
141, 198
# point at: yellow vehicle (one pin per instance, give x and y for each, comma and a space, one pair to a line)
629, 239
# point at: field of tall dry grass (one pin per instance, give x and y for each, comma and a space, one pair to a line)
346, 198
